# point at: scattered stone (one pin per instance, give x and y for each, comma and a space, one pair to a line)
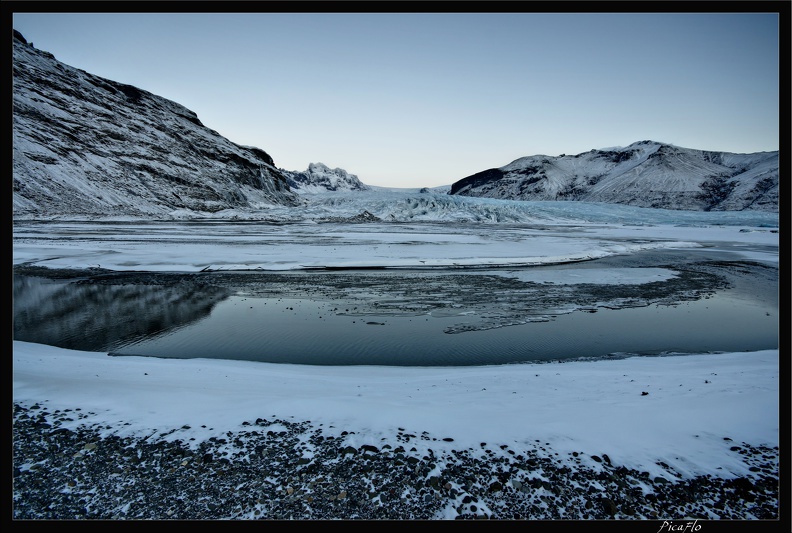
609, 506
137, 478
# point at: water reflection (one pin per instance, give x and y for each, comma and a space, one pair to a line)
401, 319
98, 317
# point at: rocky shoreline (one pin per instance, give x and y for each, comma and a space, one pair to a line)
65, 469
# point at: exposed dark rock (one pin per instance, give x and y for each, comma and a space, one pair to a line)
363, 217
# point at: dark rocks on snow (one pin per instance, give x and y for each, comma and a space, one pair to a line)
282, 470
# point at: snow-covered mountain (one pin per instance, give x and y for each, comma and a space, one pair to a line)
320, 178
84, 145
643, 174
88, 147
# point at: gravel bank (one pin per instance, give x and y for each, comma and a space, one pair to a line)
287, 470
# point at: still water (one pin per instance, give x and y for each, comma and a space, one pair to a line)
207, 321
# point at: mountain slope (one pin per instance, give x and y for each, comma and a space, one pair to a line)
644, 174
88, 146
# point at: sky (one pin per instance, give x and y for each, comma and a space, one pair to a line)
594, 407
426, 99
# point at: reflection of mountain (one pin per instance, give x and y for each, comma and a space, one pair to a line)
100, 317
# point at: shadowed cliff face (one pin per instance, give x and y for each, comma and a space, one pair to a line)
85, 145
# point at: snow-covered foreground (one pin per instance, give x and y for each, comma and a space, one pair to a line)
684, 411
694, 403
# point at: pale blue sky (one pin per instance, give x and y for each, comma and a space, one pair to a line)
419, 99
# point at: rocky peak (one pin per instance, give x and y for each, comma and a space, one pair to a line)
321, 178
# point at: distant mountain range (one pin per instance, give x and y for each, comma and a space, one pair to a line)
643, 174
87, 146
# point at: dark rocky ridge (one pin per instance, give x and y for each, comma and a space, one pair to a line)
89, 146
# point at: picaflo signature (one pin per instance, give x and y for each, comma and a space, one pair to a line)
680, 527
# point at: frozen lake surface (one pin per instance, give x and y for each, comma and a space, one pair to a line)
402, 294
